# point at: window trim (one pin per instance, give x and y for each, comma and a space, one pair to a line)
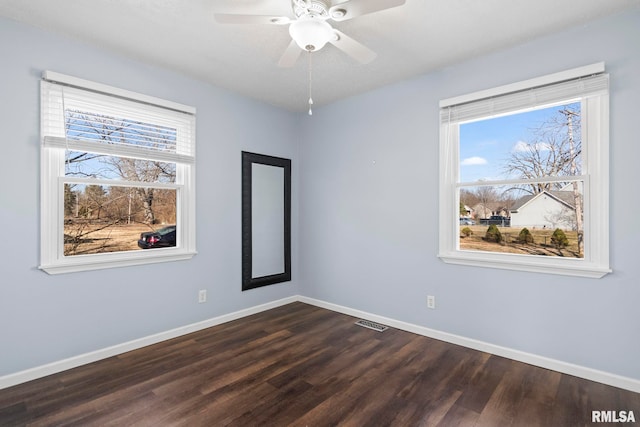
596, 181
52, 259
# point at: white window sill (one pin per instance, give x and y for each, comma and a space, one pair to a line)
563, 266
79, 263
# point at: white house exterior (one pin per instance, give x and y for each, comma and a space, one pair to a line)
549, 209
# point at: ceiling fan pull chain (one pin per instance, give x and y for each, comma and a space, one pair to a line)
310, 98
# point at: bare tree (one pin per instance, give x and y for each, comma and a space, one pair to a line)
70, 201
554, 151
111, 130
79, 125
96, 197
487, 196
573, 169
467, 198
144, 171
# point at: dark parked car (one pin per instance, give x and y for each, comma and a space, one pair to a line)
163, 238
500, 220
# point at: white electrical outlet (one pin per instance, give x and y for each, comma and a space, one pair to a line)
202, 296
431, 301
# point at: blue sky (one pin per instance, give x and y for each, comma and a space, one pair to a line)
486, 145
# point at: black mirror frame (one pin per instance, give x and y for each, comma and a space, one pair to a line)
248, 281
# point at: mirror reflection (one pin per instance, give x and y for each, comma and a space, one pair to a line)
267, 220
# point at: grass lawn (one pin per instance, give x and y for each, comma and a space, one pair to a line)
85, 238
541, 242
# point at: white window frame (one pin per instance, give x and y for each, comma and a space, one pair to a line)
54, 145
590, 84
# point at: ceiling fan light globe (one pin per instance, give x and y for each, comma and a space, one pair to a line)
311, 34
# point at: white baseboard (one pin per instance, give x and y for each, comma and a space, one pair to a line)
532, 359
521, 356
83, 359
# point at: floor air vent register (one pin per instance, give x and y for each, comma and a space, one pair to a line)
372, 325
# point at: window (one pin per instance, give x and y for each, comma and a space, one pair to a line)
118, 177
524, 175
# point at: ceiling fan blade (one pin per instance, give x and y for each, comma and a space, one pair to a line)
352, 8
290, 55
354, 49
230, 18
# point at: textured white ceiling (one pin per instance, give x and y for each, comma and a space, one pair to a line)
421, 36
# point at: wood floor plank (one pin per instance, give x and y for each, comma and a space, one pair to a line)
458, 416
483, 384
300, 365
503, 405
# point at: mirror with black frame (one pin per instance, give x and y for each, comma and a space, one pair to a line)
266, 220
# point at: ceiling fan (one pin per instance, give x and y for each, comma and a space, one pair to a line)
310, 30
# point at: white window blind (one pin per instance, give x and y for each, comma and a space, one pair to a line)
581, 87
70, 116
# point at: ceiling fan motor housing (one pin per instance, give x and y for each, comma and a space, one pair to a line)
310, 8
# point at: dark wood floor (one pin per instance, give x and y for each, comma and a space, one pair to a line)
305, 366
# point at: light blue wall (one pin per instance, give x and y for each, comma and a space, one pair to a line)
365, 179
369, 211
48, 318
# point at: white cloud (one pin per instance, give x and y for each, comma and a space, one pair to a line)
474, 161
521, 146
